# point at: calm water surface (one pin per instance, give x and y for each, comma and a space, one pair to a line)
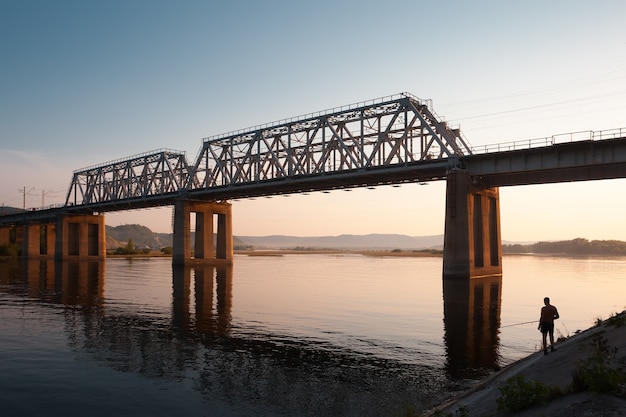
297, 335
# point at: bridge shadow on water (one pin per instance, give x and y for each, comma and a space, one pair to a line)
266, 371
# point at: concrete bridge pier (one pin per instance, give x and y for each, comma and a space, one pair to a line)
31, 242
48, 239
205, 249
38, 240
80, 236
472, 243
5, 236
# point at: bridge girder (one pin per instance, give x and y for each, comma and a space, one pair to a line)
583, 160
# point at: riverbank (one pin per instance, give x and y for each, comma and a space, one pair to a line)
555, 371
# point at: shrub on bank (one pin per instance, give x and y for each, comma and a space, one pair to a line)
595, 372
519, 394
617, 320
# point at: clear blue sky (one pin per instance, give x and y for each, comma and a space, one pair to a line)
85, 82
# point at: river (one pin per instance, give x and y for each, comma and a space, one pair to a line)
293, 335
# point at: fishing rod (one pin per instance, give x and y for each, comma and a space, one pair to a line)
519, 324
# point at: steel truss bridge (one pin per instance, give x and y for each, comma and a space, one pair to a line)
390, 140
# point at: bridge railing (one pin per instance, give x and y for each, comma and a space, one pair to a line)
579, 136
47, 207
131, 157
610, 134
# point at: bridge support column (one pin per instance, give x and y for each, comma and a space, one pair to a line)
38, 240
5, 236
204, 248
31, 244
49, 239
80, 237
472, 244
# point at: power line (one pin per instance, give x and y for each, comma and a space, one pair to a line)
539, 106
603, 78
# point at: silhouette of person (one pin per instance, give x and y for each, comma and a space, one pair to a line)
549, 313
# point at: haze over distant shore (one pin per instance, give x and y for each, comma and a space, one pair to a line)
143, 237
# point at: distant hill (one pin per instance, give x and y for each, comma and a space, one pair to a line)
141, 236
370, 241
578, 246
6, 210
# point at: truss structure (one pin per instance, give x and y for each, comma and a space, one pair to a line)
350, 142
155, 173
387, 132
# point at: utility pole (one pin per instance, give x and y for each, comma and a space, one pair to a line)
45, 193
25, 193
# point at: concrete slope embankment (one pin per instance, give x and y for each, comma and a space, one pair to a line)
554, 370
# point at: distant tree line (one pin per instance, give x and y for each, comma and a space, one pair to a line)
578, 246
131, 249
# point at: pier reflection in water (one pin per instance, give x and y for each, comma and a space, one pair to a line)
471, 324
207, 320
70, 283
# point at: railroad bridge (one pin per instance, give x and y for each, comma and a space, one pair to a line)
390, 140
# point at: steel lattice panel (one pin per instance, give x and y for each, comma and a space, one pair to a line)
396, 131
141, 176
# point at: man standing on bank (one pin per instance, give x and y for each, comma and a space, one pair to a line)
549, 313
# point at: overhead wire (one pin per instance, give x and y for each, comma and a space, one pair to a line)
544, 91
510, 100
539, 106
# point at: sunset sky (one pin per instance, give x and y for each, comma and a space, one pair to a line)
85, 82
